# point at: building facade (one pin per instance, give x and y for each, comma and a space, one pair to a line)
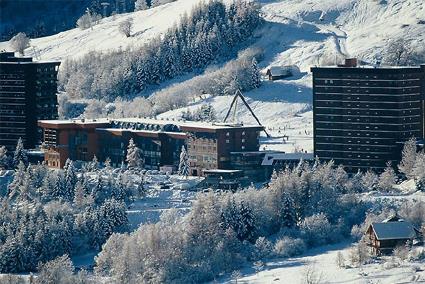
27, 94
363, 115
70, 139
209, 146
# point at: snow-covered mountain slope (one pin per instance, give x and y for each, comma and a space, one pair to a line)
280, 115
105, 35
303, 30
296, 32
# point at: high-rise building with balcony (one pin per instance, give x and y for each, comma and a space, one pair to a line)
363, 115
27, 94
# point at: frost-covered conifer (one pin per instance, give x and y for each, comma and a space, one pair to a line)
18, 180
247, 225
255, 74
134, 155
4, 159
287, 212
70, 180
20, 154
184, 163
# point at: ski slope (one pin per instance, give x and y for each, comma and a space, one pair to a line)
105, 36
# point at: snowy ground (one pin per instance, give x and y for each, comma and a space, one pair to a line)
163, 192
323, 261
179, 195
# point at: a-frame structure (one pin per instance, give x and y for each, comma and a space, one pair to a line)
234, 106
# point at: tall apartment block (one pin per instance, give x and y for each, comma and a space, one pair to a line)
363, 115
27, 94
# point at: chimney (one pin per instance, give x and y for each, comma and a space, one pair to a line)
350, 62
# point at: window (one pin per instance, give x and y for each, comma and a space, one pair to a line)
227, 134
227, 141
243, 140
243, 147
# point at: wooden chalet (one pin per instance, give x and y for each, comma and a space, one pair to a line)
279, 72
385, 236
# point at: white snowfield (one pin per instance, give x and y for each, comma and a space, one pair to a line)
322, 261
105, 36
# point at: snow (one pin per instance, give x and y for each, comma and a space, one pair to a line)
323, 261
179, 194
147, 24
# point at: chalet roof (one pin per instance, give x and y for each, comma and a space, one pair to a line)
279, 70
394, 230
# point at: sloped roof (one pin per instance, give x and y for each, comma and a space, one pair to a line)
394, 230
279, 70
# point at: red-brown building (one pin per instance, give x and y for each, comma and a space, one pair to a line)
73, 139
209, 146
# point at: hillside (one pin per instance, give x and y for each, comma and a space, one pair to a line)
105, 35
296, 32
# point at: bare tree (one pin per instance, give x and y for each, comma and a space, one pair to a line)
408, 158
141, 5
125, 27
20, 42
236, 275
340, 261
85, 21
312, 276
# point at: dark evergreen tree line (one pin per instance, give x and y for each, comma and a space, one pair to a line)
48, 213
211, 31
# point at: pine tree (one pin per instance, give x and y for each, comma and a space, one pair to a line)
58, 190
247, 223
20, 154
107, 164
93, 166
70, 180
4, 159
134, 155
79, 196
97, 190
255, 74
287, 212
184, 163
17, 182
26, 190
